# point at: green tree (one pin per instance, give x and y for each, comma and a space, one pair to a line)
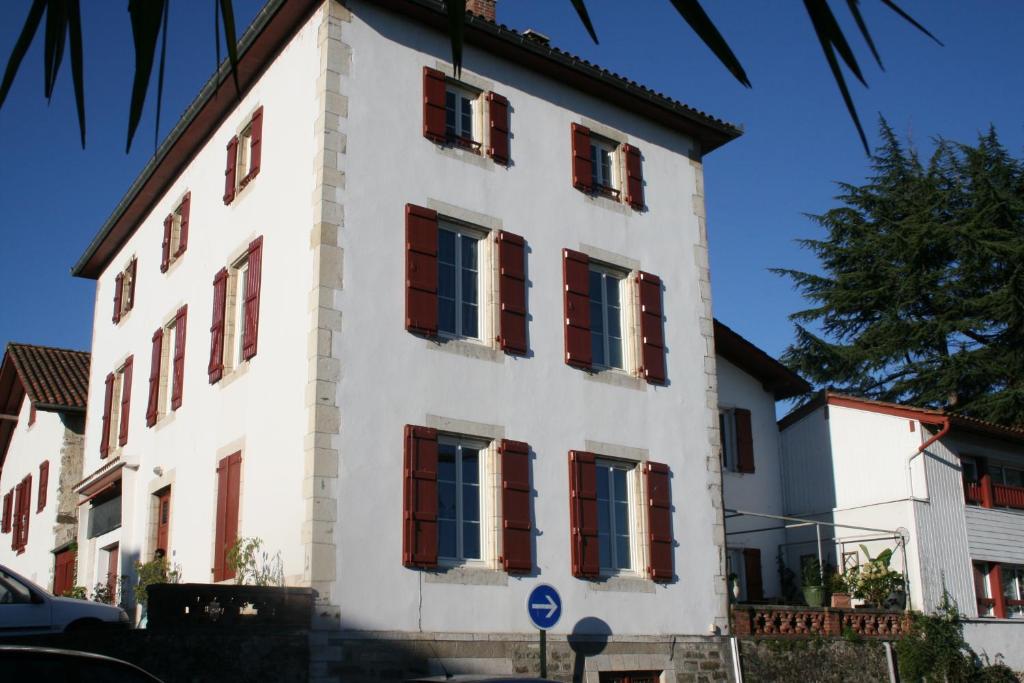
921, 295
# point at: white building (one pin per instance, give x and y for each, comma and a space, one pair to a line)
954, 487
749, 384
434, 339
42, 416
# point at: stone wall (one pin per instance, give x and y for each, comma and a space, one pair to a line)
819, 660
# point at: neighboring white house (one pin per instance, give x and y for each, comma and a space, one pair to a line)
749, 384
42, 417
953, 486
434, 339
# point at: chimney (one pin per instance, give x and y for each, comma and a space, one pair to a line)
482, 8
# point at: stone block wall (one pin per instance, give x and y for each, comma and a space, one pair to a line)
775, 660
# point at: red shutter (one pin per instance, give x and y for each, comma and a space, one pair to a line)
652, 331
659, 520
744, 441
19, 498
107, 401
183, 212
118, 289
5, 522
419, 496
25, 516
586, 558
252, 298
152, 404
497, 112
215, 369
634, 177
420, 270
63, 572
180, 326
131, 284
126, 401
576, 277
165, 246
229, 481
516, 540
752, 570
44, 480
255, 143
230, 169
512, 292
433, 105
582, 165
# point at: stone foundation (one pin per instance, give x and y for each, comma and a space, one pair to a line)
395, 656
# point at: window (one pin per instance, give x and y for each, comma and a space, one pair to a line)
175, 240
458, 281
1013, 590
124, 291
167, 372
727, 429
105, 513
737, 440
244, 156
606, 167
614, 519
605, 317
461, 107
239, 285
459, 466
1005, 475
236, 310
734, 567
44, 481
22, 507
604, 171
5, 521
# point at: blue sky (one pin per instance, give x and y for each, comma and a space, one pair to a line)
798, 138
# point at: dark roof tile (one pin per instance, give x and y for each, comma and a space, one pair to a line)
52, 378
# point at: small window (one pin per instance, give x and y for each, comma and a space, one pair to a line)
727, 429
982, 590
735, 570
458, 273
235, 333
603, 155
969, 467
114, 429
167, 378
462, 112
459, 501
606, 317
124, 291
1013, 590
614, 515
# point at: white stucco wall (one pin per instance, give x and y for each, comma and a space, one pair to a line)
29, 447
808, 481
760, 491
260, 409
391, 378
998, 641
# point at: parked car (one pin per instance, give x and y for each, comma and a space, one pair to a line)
26, 608
21, 663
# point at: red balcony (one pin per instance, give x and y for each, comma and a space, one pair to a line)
972, 492
1008, 496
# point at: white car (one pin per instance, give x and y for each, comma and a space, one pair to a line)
25, 608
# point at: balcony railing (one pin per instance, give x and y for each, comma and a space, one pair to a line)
1008, 496
972, 492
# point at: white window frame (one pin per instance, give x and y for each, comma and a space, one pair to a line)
633, 523
126, 288
483, 448
464, 231
987, 585
605, 181
243, 155
113, 436
175, 236
234, 312
623, 279
727, 426
735, 564
475, 133
166, 387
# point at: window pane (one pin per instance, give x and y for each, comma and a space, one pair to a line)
471, 540
445, 462
449, 112
602, 482
614, 353
725, 440
469, 280
468, 252
619, 485
446, 280
622, 552
604, 547
996, 473
595, 166
614, 322
596, 318
446, 246
469, 321
621, 518
446, 538
467, 117
606, 168
1014, 477
446, 500
446, 315
597, 348
595, 286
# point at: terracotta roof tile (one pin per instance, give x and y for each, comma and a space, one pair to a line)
52, 377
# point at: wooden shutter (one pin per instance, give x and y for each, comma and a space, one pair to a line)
19, 496
497, 113
180, 327
420, 270
183, 213
433, 105
126, 400
229, 481
44, 481
165, 246
252, 298
419, 530
582, 164
5, 522
744, 441
752, 571
131, 284
63, 572
634, 177
25, 516
512, 292
108, 399
229, 170
576, 278
118, 289
516, 537
153, 400
652, 330
215, 369
659, 520
255, 143
586, 558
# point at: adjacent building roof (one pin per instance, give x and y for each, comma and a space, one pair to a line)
274, 26
773, 375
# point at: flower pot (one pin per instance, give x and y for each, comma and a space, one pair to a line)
896, 600
814, 596
841, 600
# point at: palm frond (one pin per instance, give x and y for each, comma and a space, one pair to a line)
694, 15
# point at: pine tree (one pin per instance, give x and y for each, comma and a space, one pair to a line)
921, 295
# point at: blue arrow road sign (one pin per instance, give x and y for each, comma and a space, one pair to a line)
544, 606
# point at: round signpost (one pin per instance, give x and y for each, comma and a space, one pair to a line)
544, 607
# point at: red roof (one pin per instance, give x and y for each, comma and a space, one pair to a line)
52, 378
773, 375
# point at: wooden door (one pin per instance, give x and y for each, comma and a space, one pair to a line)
163, 520
229, 479
113, 571
63, 571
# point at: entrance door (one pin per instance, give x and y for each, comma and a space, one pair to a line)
163, 520
113, 571
63, 571
229, 480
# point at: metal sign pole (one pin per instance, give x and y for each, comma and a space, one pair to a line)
543, 653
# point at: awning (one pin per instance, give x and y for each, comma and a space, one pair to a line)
100, 481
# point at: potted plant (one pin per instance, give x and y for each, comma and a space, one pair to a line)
814, 592
837, 587
734, 587
877, 583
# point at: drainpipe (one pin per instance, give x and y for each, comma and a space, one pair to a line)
944, 422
